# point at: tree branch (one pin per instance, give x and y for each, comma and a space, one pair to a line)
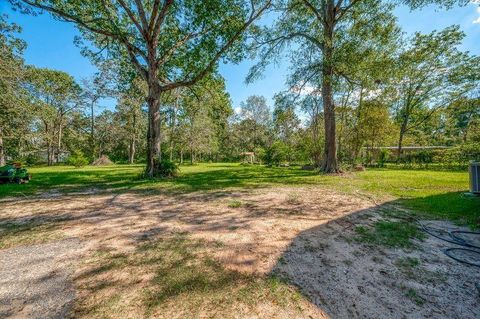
187, 82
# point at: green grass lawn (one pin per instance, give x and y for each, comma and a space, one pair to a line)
436, 193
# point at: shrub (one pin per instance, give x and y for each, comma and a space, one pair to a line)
383, 158
167, 168
77, 159
260, 154
276, 153
465, 153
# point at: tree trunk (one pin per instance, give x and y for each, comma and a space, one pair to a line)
49, 154
2, 150
403, 129
316, 138
131, 151
59, 140
92, 130
357, 145
181, 156
330, 163
172, 126
132, 147
154, 154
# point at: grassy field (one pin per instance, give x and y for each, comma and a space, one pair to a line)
439, 194
179, 247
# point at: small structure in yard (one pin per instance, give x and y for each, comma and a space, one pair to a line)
248, 157
102, 160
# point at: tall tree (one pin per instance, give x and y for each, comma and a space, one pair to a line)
327, 34
431, 74
256, 117
319, 31
13, 101
99, 86
203, 113
56, 94
131, 116
170, 43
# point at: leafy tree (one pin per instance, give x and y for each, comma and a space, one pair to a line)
463, 117
431, 74
131, 118
203, 113
286, 124
255, 118
325, 33
93, 90
170, 43
55, 94
276, 153
14, 117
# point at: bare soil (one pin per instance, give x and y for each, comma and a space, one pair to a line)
304, 235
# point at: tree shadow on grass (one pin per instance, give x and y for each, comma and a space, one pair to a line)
123, 178
182, 279
459, 207
326, 263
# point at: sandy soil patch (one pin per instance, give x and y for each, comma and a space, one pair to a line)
302, 234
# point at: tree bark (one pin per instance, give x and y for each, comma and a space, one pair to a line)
59, 140
154, 154
403, 129
172, 130
92, 130
330, 163
2, 150
131, 151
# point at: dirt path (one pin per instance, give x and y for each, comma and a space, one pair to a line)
303, 234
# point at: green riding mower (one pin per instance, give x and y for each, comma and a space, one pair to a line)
14, 173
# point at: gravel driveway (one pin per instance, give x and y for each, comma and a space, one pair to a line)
35, 281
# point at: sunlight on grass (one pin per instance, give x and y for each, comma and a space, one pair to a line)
437, 193
172, 275
28, 233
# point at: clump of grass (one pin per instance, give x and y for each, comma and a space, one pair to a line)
407, 262
27, 233
293, 199
235, 203
182, 279
390, 234
415, 297
411, 268
408, 266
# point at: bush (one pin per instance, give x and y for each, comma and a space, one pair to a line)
260, 154
276, 153
167, 168
383, 158
77, 159
464, 153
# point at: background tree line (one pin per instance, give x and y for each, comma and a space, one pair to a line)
356, 82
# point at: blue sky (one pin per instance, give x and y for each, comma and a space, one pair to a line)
50, 44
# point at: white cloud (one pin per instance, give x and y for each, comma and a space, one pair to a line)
477, 21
